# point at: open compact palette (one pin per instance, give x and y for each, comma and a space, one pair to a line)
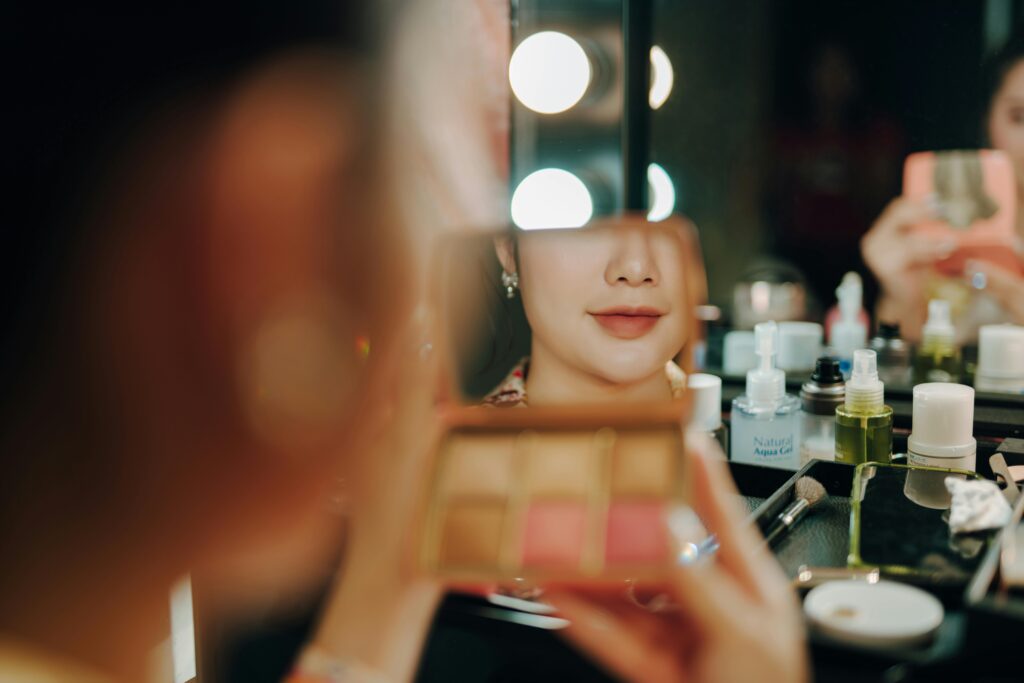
575, 493
554, 493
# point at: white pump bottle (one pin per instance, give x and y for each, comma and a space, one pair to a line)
848, 333
764, 421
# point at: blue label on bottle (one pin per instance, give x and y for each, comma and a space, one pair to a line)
773, 448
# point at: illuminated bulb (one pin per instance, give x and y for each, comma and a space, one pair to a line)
661, 77
663, 193
551, 198
549, 72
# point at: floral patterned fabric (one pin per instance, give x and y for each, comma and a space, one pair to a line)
511, 393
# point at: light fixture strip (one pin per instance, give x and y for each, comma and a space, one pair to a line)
636, 30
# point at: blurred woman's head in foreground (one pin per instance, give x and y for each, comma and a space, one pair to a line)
199, 277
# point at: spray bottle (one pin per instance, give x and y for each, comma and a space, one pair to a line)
938, 358
864, 422
849, 332
765, 420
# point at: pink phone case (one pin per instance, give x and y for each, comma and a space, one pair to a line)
976, 192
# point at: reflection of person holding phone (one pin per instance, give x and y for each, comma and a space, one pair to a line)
903, 262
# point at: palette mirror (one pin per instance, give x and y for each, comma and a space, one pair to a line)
603, 313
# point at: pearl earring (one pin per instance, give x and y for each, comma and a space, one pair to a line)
510, 281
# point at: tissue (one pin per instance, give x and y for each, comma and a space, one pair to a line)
977, 505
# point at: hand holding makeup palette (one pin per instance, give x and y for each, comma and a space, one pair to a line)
554, 494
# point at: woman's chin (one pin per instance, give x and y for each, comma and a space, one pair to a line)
627, 374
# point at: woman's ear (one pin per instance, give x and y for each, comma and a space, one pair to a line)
505, 248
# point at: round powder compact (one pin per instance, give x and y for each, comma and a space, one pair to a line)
883, 614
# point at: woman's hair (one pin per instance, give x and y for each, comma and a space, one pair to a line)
994, 71
488, 331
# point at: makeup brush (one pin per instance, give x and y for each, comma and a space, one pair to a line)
808, 493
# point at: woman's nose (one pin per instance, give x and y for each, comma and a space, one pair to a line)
632, 259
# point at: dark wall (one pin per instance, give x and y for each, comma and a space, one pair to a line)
919, 61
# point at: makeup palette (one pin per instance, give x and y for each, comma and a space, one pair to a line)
520, 493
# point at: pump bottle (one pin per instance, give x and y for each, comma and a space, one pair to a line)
864, 422
938, 358
819, 398
765, 420
849, 332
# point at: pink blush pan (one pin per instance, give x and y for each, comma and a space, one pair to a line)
554, 533
636, 533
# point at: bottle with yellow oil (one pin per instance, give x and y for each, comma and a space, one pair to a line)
938, 358
864, 422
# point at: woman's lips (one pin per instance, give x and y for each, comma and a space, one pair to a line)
628, 323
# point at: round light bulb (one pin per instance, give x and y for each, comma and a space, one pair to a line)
551, 198
549, 72
663, 193
662, 77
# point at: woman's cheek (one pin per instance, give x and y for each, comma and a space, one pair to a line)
678, 334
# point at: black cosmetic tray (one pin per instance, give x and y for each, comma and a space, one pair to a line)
995, 616
967, 645
821, 539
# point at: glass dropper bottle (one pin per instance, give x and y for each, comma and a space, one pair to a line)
864, 422
938, 358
